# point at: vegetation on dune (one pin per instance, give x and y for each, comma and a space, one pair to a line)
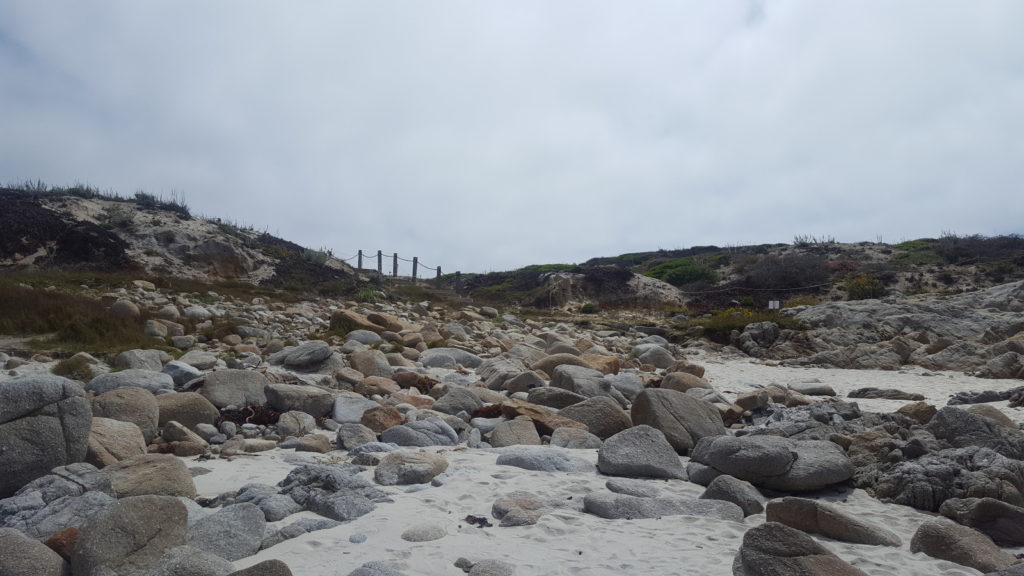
65, 321
720, 325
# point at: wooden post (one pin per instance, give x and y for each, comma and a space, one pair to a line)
380, 263
439, 277
360, 266
394, 269
458, 283
415, 265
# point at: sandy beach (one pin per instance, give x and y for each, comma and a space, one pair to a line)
568, 541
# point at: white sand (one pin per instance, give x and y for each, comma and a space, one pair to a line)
567, 541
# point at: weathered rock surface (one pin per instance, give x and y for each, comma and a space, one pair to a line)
774, 549
44, 423
134, 405
682, 418
822, 518
405, 467
234, 388
639, 451
615, 506
775, 462
945, 539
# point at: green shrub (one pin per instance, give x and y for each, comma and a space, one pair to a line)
719, 327
72, 322
683, 271
864, 287
589, 308
76, 368
367, 295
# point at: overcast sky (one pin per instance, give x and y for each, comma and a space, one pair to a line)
485, 136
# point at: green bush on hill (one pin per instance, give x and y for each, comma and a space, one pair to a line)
683, 271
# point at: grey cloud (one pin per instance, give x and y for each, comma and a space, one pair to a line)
485, 136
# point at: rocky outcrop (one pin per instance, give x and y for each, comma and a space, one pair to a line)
975, 331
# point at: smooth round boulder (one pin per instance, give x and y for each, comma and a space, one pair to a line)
944, 539
234, 388
24, 556
186, 408
131, 404
774, 549
775, 462
603, 416
409, 468
151, 474
44, 423
132, 378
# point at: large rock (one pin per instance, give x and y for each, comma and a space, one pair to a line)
542, 459
575, 438
586, 382
23, 556
307, 355
371, 363
556, 398
962, 428
234, 388
614, 506
603, 416
774, 549
272, 567
134, 405
309, 399
458, 399
739, 492
947, 540
44, 423
63, 499
129, 536
295, 423
430, 432
350, 409
131, 378
232, 533
1000, 521
140, 359
545, 420
181, 372
466, 359
683, 381
405, 467
151, 474
111, 441
822, 518
639, 451
520, 431
775, 462
187, 409
682, 418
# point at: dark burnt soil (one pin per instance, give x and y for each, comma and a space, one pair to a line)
26, 226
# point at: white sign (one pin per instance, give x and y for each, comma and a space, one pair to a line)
773, 304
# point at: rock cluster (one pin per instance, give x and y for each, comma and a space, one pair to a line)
388, 389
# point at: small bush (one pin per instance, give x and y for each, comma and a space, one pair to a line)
589, 308
719, 327
683, 271
801, 301
367, 294
864, 287
76, 368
